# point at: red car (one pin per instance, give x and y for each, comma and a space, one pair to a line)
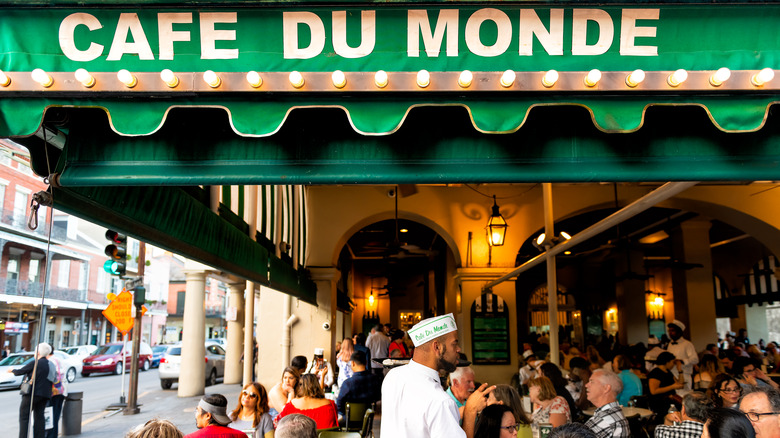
108, 359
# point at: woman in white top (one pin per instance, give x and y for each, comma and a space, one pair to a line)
343, 361
550, 407
283, 391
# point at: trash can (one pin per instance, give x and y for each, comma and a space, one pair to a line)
71, 413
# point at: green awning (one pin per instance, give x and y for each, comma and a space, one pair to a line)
435, 145
173, 219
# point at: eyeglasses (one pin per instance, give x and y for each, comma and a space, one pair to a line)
749, 371
249, 394
516, 427
756, 416
731, 390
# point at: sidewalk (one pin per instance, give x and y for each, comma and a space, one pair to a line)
180, 411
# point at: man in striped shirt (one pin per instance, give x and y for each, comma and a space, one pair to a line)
688, 423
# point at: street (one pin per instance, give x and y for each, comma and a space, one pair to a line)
103, 390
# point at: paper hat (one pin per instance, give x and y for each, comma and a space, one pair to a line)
528, 353
431, 328
319, 351
653, 340
678, 324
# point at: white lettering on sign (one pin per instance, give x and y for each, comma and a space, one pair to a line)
531, 25
209, 35
167, 35
629, 31
68, 40
290, 23
593, 32
367, 34
504, 36
129, 23
417, 23
579, 32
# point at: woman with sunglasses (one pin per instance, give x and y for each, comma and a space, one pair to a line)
496, 421
251, 414
725, 391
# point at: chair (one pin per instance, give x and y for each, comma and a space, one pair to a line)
368, 424
637, 427
640, 401
353, 416
338, 434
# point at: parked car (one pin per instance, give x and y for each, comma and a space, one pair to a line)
157, 353
13, 362
79, 351
108, 359
170, 364
71, 366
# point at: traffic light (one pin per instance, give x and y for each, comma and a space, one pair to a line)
117, 253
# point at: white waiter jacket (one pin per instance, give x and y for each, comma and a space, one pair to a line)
684, 350
415, 406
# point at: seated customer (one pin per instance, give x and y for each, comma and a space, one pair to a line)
689, 422
725, 391
362, 387
608, 419
631, 384
311, 401
709, 367
749, 375
296, 426
550, 407
283, 391
508, 396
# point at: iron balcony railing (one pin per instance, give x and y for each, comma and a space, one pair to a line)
35, 289
19, 222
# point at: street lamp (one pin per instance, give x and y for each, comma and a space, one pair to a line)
496, 227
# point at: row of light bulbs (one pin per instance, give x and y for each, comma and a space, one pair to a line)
381, 79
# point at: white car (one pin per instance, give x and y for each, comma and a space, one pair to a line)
170, 364
71, 366
79, 351
13, 362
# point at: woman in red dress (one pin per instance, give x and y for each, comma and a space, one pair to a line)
311, 402
397, 344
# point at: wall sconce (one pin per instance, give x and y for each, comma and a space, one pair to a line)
658, 301
496, 226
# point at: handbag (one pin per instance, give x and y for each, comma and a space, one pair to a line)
25, 388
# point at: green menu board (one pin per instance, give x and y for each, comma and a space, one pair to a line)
490, 330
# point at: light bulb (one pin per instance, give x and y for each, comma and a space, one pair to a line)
127, 78
592, 78
565, 235
719, 77
339, 79
762, 77
635, 78
380, 79
677, 78
85, 78
254, 79
550, 78
465, 79
169, 77
296, 79
212, 79
508, 78
42, 78
423, 78
4, 79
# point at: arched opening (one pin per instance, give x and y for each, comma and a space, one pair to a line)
394, 271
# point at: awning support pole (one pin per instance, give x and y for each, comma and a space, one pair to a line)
658, 195
552, 280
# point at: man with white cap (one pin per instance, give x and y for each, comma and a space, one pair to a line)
683, 350
529, 370
413, 401
212, 419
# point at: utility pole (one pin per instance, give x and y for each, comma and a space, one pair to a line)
139, 297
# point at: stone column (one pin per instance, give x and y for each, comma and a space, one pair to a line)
192, 377
327, 287
235, 335
694, 300
632, 310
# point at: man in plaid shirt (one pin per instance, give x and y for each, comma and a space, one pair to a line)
608, 420
690, 422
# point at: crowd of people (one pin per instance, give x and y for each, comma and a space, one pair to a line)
723, 391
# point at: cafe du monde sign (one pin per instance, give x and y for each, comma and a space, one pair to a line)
653, 37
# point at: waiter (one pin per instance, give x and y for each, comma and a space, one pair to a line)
683, 350
413, 401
